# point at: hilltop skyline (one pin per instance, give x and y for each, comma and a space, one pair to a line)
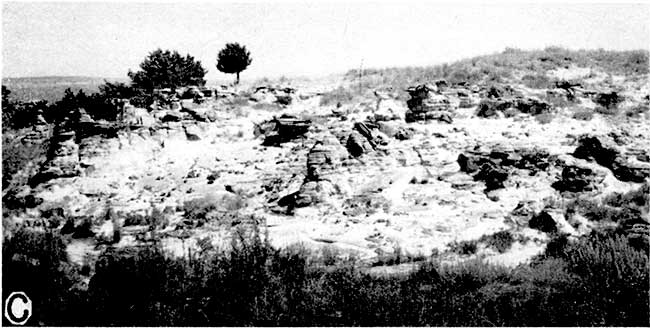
307, 39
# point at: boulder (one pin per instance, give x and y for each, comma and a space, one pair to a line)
358, 145
404, 133
172, 117
192, 132
425, 106
604, 153
263, 96
283, 99
282, 129
577, 179
314, 192
322, 161
492, 107
543, 222
493, 176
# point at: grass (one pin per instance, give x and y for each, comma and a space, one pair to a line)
337, 97
498, 67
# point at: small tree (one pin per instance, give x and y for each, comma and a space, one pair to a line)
166, 69
233, 59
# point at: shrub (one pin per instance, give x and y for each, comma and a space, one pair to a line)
609, 100
583, 115
36, 263
544, 118
637, 111
337, 96
501, 241
20, 157
536, 81
465, 247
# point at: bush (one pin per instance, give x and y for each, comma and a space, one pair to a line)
167, 69
536, 81
609, 101
583, 115
337, 97
36, 263
501, 241
465, 247
596, 280
19, 157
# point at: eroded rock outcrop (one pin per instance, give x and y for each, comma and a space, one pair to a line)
282, 129
323, 160
63, 158
426, 106
578, 179
493, 107
604, 153
493, 167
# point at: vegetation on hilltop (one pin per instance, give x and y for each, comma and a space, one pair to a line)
496, 67
233, 59
167, 69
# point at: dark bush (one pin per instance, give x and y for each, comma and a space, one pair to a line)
501, 241
597, 280
36, 264
167, 69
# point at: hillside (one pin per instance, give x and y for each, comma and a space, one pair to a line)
490, 169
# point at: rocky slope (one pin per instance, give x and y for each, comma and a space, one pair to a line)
373, 177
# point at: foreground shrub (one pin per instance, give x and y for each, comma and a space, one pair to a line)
597, 280
36, 263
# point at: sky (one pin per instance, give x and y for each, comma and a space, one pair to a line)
305, 38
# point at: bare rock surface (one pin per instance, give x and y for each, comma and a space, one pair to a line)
363, 186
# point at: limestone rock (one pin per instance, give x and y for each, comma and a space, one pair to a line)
604, 153
543, 222
63, 161
321, 161
314, 192
192, 132
577, 179
424, 106
357, 144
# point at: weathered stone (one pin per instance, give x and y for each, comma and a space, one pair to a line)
63, 160
493, 176
314, 192
321, 161
577, 179
282, 129
424, 106
358, 145
605, 154
404, 133
543, 222
192, 132
172, 117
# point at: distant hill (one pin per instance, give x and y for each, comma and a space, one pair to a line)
52, 88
